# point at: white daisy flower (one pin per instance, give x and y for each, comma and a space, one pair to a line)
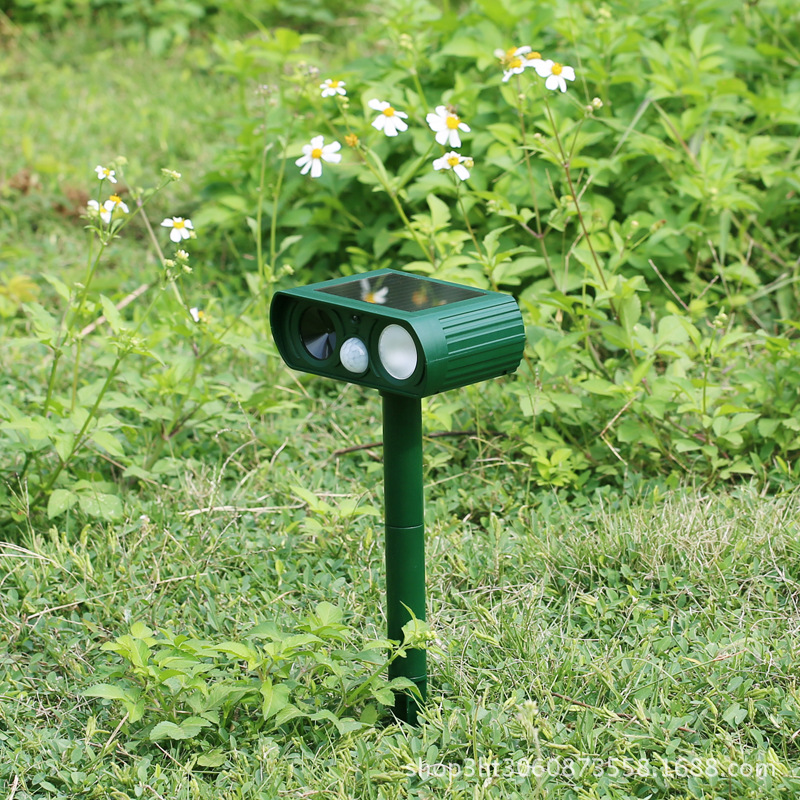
110, 206
330, 88
93, 208
198, 315
556, 74
315, 153
446, 125
390, 120
517, 60
369, 296
105, 174
455, 162
181, 228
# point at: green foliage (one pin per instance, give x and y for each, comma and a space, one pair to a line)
644, 219
164, 24
200, 692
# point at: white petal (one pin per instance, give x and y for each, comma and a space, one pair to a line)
331, 148
436, 123
499, 52
124, 207
167, 223
464, 127
175, 235
552, 83
568, 73
302, 160
441, 163
377, 105
399, 125
461, 171
443, 135
316, 143
401, 114
544, 68
305, 162
316, 168
455, 139
379, 122
188, 224
520, 51
442, 111
331, 158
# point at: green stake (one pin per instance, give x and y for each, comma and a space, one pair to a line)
405, 538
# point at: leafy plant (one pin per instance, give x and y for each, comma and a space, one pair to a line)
184, 689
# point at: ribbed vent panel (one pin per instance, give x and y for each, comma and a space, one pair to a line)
494, 335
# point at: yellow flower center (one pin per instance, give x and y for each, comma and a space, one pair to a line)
389, 112
533, 55
515, 63
369, 297
333, 84
556, 69
178, 223
116, 199
453, 161
452, 122
316, 152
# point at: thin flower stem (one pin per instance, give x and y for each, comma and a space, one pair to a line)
160, 254
478, 248
273, 223
380, 174
529, 169
568, 174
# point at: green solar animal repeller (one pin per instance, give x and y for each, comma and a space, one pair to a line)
409, 337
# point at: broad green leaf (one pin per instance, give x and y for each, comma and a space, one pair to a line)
112, 315
108, 442
169, 730
98, 504
276, 697
440, 213
140, 631
107, 691
241, 651
60, 500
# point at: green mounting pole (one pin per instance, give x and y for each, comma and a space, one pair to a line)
405, 539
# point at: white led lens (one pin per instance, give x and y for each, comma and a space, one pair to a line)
353, 355
397, 352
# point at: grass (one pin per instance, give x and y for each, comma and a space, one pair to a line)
612, 646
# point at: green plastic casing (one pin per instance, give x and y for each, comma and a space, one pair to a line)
458, 343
